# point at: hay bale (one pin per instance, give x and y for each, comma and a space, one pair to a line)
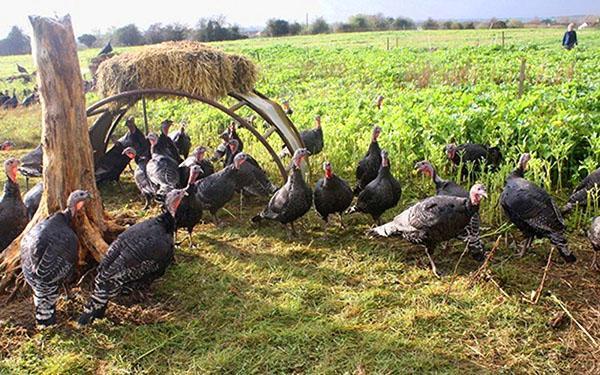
184, 66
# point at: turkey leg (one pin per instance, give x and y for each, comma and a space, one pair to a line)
433, 267
525, 247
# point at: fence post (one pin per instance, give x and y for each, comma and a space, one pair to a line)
388, 43
396, 42
522, 77
502, 39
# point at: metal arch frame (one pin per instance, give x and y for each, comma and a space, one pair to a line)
130, 97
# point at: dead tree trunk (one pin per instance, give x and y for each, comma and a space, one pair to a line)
68, 162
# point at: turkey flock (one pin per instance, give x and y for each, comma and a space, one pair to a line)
189, 184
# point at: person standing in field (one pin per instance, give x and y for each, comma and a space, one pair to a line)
570, 37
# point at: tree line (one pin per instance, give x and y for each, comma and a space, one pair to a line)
218, 29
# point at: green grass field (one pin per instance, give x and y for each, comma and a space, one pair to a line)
245, 299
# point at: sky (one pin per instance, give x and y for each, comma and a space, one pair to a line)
100, 15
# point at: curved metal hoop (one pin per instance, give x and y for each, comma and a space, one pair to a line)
110, 117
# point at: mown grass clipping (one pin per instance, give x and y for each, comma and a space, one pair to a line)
186, 66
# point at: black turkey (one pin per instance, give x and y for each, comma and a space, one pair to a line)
332, 195
7, 145
137, 257
451, 188
198, 158
368, 167
49, 255
472, 153
13, 102
579, 197
162, 170
136, 139
140, 176
110, 166
379, 102
312, 139
286, 108
182, 141
189, 212
221, 150
380, 194
22, 69
31, 163
4, 97
253, 179
106, 49
594, 236
217, 189
13, 214
293, 199
33, 198
31, 99
531, 209
165, 145
434, 220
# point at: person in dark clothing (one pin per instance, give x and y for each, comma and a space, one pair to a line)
570, 38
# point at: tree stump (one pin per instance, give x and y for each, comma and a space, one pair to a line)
68, 161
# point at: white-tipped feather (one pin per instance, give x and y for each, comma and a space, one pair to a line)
401, 223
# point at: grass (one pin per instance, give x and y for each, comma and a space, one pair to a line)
248, 300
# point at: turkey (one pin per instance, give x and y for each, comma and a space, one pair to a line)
182, 141
580, 195
31, 99
293, 199
137, 257
380, 194
379, 102
4, 97
31, 163
217, 189
447, 187
13, 102
368, 167
33, 198
137, 139
49, 255
162, 171
140, 176
594, 236
110, 166
189, 212
286, 108
13, 214
434, 220
106, 49
253, 180
312, 139
475, 154
165, 145
7, 145
531, 209
21, 69
198, 158
221, 150
332, 195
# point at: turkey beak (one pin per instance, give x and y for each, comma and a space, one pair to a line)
484, 194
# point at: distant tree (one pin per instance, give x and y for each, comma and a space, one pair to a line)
402, 23
216, 29
154, 34
514, 24
295, 28
430, 24
456, 26
378, 22
545, 21
497, 24
129, 35
343, 28
319, 26
277, 27
447, 25
87, 40
359, 22
16, 43
468, 25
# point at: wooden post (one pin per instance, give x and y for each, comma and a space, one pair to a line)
146, 129
502, 39
68, 161
396, 42
388, 43
522, 77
